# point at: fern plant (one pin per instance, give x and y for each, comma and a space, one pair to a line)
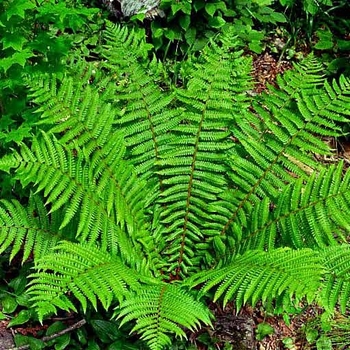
152, 198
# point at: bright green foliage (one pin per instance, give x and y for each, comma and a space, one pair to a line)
258, 275
159, 310
86, 271
322, 25
36, 36
30, 226
152, 190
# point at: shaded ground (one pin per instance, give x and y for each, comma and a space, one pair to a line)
239, 331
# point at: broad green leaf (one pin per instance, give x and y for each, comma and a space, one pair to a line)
13, 41
17, 58
185, 21
210, 8
8, 304
217, 22
18, 7
278, 17
22, 317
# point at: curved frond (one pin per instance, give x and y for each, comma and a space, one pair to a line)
90, 274
29, 228
287, 125
160, 310
308, 213
103, 206
336, 285
194, 160
257, 275
146, 115
77, 106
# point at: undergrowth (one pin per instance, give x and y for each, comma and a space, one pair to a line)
153, 200
135, 197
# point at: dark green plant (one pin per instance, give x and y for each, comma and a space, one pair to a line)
154, 200
36, 36
318, 25
327, 332
188, 25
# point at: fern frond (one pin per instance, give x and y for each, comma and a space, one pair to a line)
76, 105
89, 273
160, 310
84, 122
69, 186
29, 228
194, 161
285, 137
123, 45
145, 116
308, 213
336, 285
259, 275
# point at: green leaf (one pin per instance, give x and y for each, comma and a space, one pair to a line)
343, 45
17, 58
263, 330
210, 9
22, 340
287, 2
185, 21
9, 304
198, 4
106, 331
325, 40
18, 8
173, 34
324, 343
278, 17
311, 335
175, 7
256, 46
92, 345
22, 317
18, 284
60, 342
19, 134
311, 7
262, 3
13, 41
23, 300
190, 36
217, 22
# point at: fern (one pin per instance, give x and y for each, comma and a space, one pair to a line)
194, 163
159, 310
336, 286
143, 190
258, 275
84, 271
30, 228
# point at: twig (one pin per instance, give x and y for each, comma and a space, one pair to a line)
55, 335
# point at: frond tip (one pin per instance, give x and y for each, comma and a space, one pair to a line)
160, 310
